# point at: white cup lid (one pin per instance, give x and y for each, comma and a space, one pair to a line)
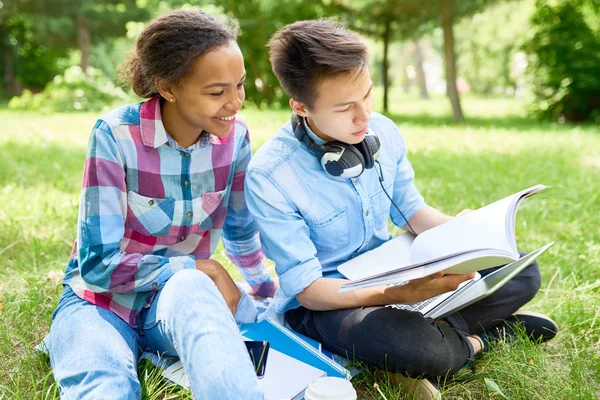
330, 388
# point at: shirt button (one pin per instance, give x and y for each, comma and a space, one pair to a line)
189, 213
220, 196
186, 155
367, 213
182, 238
354, 180
151, 202
186, 183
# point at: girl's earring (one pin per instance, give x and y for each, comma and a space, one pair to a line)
171, 100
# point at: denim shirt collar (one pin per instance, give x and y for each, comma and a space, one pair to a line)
313, 135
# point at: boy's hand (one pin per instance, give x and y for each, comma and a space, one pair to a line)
427, 287
464, 212
219, 275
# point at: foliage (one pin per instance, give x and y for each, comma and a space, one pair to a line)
259, 20
565, 60
487, 45
34, 64
73, 91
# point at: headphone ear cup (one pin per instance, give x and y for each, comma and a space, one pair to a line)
341, 159
369, 148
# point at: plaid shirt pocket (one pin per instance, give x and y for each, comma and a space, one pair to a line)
213, 210
149, 216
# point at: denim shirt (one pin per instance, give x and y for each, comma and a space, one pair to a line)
311, 222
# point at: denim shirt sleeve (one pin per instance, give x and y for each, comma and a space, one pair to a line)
405, 193
284, 234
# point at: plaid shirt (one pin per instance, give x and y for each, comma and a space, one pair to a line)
149, 208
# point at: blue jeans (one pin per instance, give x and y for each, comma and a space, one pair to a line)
94, 354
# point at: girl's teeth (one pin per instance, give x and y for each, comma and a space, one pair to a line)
226, 118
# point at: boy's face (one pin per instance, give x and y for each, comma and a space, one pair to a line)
342, 109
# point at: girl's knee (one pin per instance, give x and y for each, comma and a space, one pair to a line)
186, 282
189, 291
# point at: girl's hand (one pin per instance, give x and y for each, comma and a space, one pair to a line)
223, 281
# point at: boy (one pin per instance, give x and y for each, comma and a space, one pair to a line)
321, 193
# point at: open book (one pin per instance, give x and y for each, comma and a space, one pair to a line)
484, 238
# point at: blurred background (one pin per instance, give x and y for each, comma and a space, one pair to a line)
60, 55
491, 97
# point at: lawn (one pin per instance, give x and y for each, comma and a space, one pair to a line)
496, 153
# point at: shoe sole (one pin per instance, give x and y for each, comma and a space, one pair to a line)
421, 389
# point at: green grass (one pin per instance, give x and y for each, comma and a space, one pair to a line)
497, 152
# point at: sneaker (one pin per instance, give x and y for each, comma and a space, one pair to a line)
420, 389
538, 327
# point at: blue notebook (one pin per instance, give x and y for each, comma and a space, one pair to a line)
288, 342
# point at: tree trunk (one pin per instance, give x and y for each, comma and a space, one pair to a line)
385, 65
10, 80
450, 60
420, 71
83, 42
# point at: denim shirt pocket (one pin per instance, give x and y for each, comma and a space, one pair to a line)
330, 232
149, 216
212, 212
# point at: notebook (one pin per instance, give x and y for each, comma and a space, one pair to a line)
470, 291
428, 305
292, 363
284, 378
288, 342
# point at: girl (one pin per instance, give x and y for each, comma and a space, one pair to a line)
163, 181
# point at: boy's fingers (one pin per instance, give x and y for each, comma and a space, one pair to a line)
452, 281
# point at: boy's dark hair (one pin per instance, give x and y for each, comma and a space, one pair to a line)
169, 47
304, 53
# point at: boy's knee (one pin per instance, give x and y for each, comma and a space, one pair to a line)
531, 281
429, 354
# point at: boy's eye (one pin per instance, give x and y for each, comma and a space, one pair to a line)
241, 84
345, 109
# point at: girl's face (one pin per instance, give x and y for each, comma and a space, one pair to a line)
210, 97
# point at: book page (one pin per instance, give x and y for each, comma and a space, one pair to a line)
391, 255
484, 228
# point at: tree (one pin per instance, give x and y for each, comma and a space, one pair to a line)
488, 43
259, 20
387, 20
565, 59
79, 23
26, 60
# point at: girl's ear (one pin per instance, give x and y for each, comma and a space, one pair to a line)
165, 89
299, 108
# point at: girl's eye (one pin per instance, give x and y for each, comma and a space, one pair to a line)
241, 84
217, 94
346, 109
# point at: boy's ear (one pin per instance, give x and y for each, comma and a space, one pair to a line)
298, 107
165, 89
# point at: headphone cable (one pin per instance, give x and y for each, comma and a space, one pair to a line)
380, 176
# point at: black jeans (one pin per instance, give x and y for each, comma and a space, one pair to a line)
405, 341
